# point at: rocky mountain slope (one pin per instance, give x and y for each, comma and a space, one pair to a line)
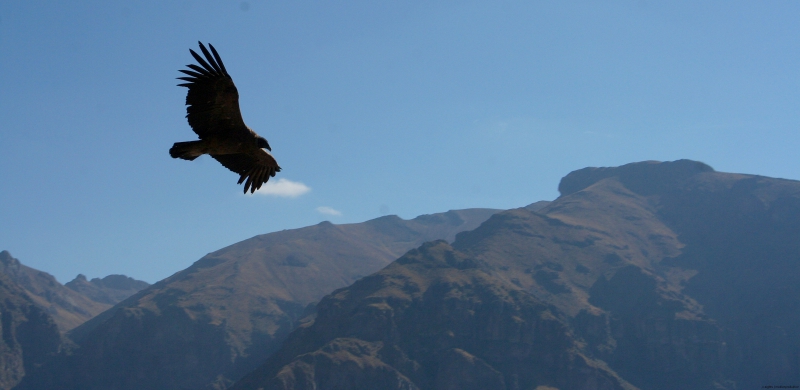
29, 334
68, 308
433, 319
650, 275
75, 303
210, 324
35, 310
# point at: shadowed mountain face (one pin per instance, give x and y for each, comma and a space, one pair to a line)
33, 308
217, 320
433, 319
29, 334
650, 275
68, 308
110, 290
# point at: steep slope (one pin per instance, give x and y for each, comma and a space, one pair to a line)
433, 319
217, 320
110, 290
739, 259
68, 308
29, 334
674, 275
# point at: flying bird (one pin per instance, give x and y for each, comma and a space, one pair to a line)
213, 113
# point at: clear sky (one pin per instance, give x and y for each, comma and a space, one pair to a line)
372, 107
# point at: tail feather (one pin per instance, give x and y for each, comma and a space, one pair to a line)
185, 150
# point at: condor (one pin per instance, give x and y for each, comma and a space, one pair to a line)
213, 113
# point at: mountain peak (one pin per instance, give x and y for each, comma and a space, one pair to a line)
110, 290
645, 177
68, 308
8, 260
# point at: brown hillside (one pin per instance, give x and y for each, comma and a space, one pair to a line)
218, 319
433, 319
671, 275
68, 308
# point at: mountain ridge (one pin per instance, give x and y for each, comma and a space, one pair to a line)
225, 313
638, 262
111, 289
652, 275
68, 308
72, 304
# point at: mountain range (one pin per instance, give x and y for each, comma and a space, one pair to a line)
210, 324
37, 310
651, 275
74, 303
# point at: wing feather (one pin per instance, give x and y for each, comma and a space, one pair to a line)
212, 101
190, 73
217, 57
201, 60
200, 70
210, 59
247, 184
254, 168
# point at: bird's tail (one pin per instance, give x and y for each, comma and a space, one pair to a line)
185, 150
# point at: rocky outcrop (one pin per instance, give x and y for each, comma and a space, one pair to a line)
646, 178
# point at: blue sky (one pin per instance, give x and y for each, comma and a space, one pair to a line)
376, 108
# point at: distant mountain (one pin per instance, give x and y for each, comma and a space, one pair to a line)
36, 310
29, 334
650, 275
210, 324
75, 303
68, 308
111, 289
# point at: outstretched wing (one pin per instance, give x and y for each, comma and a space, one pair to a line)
254, 168
213, 101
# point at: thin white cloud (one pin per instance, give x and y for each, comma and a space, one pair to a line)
283, 188
328, 211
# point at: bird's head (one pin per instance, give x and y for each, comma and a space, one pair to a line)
262, 143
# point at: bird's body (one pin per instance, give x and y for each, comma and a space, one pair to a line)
214, 145
213, 113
